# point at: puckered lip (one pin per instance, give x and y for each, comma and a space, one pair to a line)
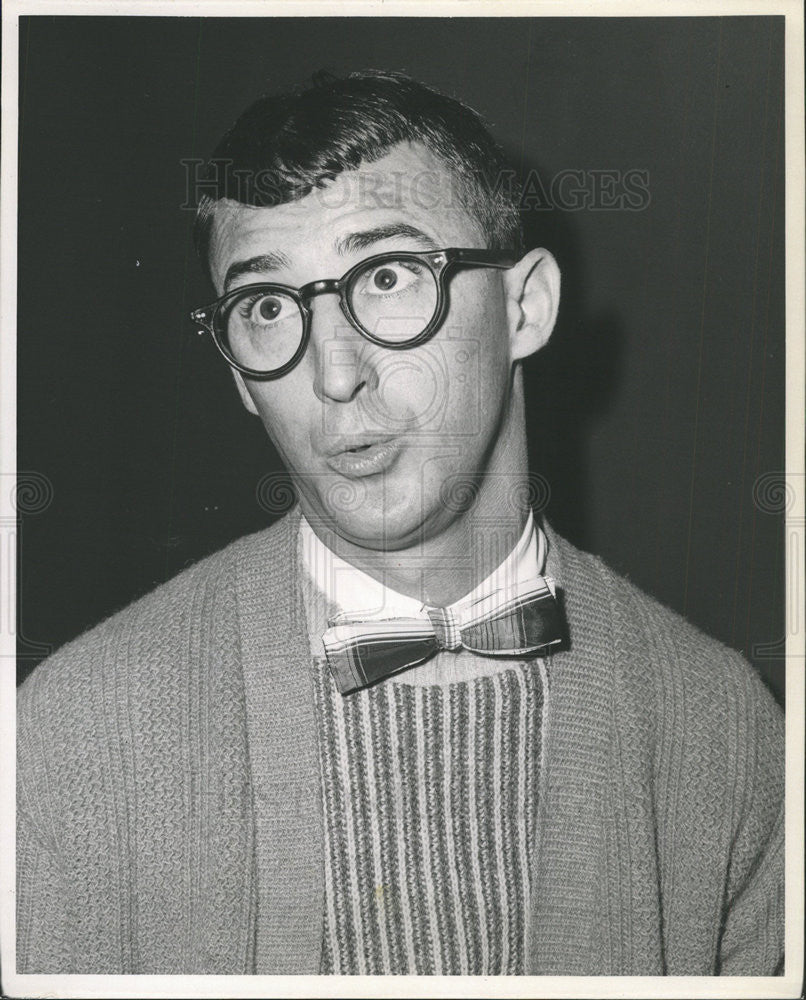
354, 442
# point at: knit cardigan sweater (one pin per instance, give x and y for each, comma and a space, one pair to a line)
660, 823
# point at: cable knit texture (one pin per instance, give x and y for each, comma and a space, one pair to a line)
660, 806
429, 805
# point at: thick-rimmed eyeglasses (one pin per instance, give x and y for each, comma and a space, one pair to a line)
397, 300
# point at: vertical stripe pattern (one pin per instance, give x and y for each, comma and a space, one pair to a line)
429, 796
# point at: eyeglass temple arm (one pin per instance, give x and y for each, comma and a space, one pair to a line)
487, 258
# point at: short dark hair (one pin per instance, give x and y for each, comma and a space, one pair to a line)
284, 145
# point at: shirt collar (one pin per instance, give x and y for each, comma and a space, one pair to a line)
352, 590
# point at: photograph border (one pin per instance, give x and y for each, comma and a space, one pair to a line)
790, 984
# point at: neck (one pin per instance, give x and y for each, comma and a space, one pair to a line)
447, 567
443, 567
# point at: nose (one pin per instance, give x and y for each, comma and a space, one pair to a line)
343, 367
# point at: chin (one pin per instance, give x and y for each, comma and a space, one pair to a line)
390, 526
377, 530
374, 524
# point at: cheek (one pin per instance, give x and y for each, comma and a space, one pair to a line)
454, 384
412, 388
284, 418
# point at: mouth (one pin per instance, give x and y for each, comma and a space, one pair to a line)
364, 456
354, 449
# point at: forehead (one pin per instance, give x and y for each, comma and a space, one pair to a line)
408, 185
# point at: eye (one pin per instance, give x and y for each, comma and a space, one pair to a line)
392, 277
269, 308
262, 309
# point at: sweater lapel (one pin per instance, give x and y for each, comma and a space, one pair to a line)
274, 645
570, 877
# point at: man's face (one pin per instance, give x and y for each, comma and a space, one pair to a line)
374, 437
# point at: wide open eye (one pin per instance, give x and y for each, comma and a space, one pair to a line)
394, 299
264, 309
260, 327
390, 278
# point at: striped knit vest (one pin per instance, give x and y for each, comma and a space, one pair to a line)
430, 797
429, 801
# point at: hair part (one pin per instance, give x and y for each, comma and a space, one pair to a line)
286, 145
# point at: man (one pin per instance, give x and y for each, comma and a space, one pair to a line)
407, 729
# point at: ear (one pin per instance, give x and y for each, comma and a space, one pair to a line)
243, 392
533, 297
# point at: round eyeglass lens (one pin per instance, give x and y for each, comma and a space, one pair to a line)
394, 301
260, 328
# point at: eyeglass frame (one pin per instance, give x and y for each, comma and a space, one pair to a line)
439, 262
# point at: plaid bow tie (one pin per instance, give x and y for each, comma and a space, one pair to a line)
513, 621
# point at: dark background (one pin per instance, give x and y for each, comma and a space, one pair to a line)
653, 413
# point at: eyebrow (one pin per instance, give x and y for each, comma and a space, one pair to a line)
271, 261
274, 260
369, 237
